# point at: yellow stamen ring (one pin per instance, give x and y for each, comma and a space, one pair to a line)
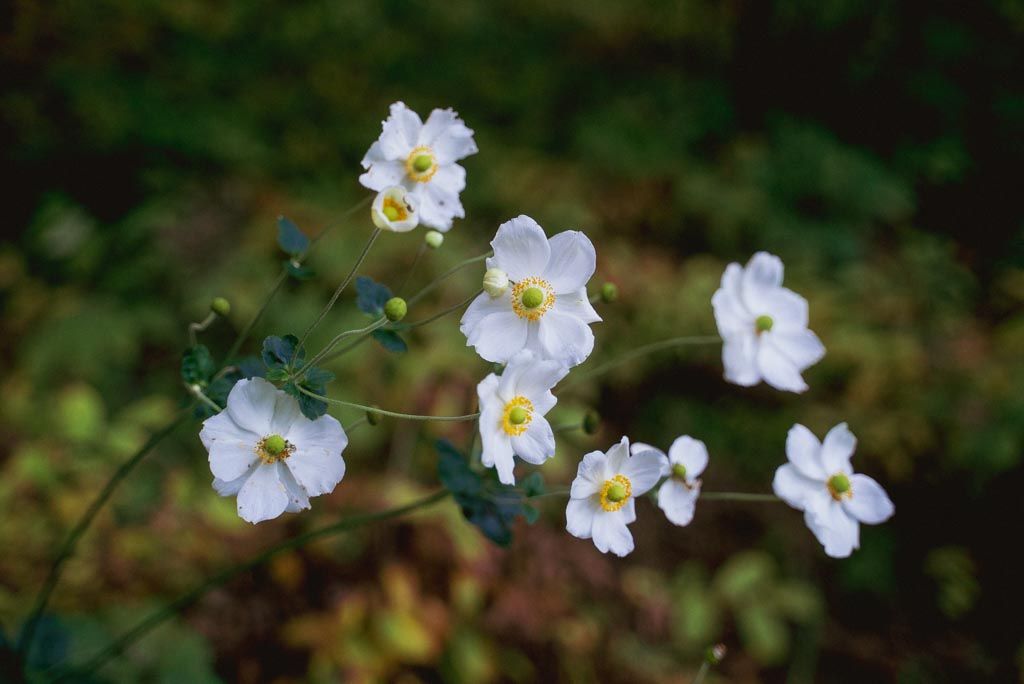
416, 164
619, 484
532, 313
518, 406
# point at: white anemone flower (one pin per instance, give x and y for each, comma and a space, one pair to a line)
512, 409
422, 158
264, 450
764, 326
601, 502
820, 481
394, 209
545, 307
686, 460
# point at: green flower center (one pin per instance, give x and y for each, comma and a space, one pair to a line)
391, 212
764, 323
616, 493
839, 487
274, 445
422, 162
679, 471
518, 415
533, 298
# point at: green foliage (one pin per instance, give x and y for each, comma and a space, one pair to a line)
289, 238
390, 340
197, 365
372, 296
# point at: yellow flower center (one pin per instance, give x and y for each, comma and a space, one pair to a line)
274, 448
421, 164
839, 487
532, 297
517, 416
394, 210
615, 493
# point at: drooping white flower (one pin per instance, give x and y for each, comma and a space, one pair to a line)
677, 497
601, 502
545, 309
764, 326
422, 158
820, 481
512, 409
394, 209
264, 450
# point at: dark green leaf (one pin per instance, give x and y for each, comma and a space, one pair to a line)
318, 377
290, 238
297, 270
371, 296
390, 340
277, 374
281, 351
311, 407
533, 484
197, 365
251, 367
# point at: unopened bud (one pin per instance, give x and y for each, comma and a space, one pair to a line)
434, 239
609, 293
591, 422
716, 654
220, 306
495, 282
395, 309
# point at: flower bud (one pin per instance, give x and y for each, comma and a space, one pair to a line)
609, 293
716, 654
220, 306
591, 422
495, 282
434, 239
395, 309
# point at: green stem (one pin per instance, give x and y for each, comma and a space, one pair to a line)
702, 673
244, 334
68, 548
174, 607
393, 414
447, 311
639, 352
324, 353
437, 281
194, 328
412, 268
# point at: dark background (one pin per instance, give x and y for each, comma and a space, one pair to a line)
147, 148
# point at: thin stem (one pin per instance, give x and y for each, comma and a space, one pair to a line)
194, 328
341, 287
393, 414
412, 268
196, 392
444, 313
437, 281
356, 423
244, 334
68, 548
179, 604
639, 352
323, 353
702, 673
347, 348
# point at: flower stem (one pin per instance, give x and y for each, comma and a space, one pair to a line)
325, 352
447, 311
68, 548
639, 352
437, 281
244, 334
702, 673
118, 646
393, 414
194, 328
412, 268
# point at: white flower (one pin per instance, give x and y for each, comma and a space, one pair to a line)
677, 497
394, 209
601, 502
820, 481
495, 282
512, 409
764, 326
421, 157
546, 309
265, 451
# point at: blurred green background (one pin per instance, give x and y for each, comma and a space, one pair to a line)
147, 148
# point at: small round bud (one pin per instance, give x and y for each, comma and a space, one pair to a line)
716, 654
609, 293
764, 323
679, 471
434, 239
274, 445
495, 282
591, 422
533, 298
220, 306
422, 163
518, 415
395, 309
616, 493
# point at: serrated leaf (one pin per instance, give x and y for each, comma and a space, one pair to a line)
251, 367
197, 365
297, 270
371, 296
281, 351
289, 238
390, 340
311, 407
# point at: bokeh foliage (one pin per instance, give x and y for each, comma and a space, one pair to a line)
148, 148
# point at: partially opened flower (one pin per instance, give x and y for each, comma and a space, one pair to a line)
601, 502
544, 306
764, 326
394, 209
512, 409
421, 157
677, 497
820, 481
264, 450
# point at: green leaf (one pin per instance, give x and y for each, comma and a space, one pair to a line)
297, 270
318, 377
277, 374
371, 296
197, 365
532, 484
390, 340
311, 407
251, 367
281, 351
290, 238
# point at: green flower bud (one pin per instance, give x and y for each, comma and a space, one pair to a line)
434, 239
395, 309
715, 654
533, 298
518, 415
679, 470
422, 162
616, 493
764, 323
591, 422
220, 306
609, 293
274, 445
495, 282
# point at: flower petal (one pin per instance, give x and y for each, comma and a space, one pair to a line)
778, 370
382, 174
803, 347
481, 307
263, 496
643, 470
565, 338
590, 475
251, 405
678, 501
499, 336
787, 309
232, 449
762, 275
537, 444
793, 487
400, 132
691, 453
611, 534
739, 356
447, 136
534, 380
804, 451
520, 248
572, 262
869, 503
232, 487
835, 530
617, 456
317, 463
731, 314
578, 305
298, 497
837, 449
497, 450
579, 516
